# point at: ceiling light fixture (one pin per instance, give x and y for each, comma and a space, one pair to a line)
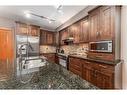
59, 9
51, 20
28, 15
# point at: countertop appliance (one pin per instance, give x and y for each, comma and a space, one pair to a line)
101, 46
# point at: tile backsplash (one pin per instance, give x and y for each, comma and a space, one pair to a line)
75, 49
47, 49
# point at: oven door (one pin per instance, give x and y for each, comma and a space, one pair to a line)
63, 61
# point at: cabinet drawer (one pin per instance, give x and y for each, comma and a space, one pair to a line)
101, 56
79, 68
77, 72
105, 68
74, 61
90, 64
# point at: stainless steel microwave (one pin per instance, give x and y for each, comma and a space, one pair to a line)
101, 46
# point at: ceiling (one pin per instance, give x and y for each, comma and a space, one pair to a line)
17, 13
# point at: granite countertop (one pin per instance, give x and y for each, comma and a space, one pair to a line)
51, 76
97, 60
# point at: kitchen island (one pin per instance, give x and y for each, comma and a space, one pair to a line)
50, 76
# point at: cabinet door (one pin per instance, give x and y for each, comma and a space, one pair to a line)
86, 73
42, 37
22, 29
49, 38
75, 66
104, 81
34, 31
106, 23
76, 32
61, 37
94, 25
84, 37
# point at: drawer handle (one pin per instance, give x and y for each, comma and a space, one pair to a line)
99, 56
87, 62
103, 66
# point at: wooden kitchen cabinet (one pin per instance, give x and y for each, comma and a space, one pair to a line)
84, 30
50, 57
94, 18
106, 22
47, 37
24, 29
99, 74
74, 31
102, 25
75, 66
63, 35
21, 29
34, 30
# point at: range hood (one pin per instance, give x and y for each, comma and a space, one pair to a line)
68, 40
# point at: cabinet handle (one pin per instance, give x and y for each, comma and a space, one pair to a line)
95, 73
99, 56
87, 62
103, 66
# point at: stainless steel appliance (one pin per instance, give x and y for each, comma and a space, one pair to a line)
101, 46
33, 42
63, 60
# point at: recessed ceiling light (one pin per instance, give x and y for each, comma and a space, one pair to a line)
27, 14
49, 21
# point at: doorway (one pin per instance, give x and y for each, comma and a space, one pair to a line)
6, 53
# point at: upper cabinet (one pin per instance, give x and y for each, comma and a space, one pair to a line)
84, 31
94, 18
24, 29
106, 22
47, 37
74, 31
63, 35
79, 31
21, 29
34, 30
102, 23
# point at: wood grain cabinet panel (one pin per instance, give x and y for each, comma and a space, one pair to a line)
75, 66
106, 23
94, 20
24, 29
47, 37
102, 23
63, 35
84, 31
99, 74
50, 57
34, 30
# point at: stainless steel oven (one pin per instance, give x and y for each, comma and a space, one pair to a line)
101, 46
63, 60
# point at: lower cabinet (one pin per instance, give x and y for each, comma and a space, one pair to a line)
50, 57
75, 66
99, 74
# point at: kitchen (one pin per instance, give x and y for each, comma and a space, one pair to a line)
82, 53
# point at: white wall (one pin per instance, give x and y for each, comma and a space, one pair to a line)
124, 44
6, 23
